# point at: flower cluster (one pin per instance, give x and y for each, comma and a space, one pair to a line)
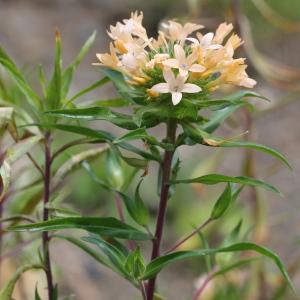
181, 60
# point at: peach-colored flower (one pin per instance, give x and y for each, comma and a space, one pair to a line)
184, 63
178, 32
157, 60
109, 60
175, 85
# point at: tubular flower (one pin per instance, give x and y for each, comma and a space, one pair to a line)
180, 60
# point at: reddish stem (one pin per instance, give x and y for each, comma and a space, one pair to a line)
45, 237
164, 193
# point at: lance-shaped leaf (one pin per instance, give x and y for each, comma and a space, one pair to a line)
222, 203
106, 226
137, 134
135, 264
114, 102
218, 178
99, 135
69, 71
136, 207
12, 154
96, 113
158, 264
88, 89
54, 89
8, 288
119, 82
200, 136
219, 117
114, 254
36, 294
75, 161
83, 246
19, 79
6, 114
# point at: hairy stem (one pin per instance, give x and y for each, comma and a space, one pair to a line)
46, 239
164, 193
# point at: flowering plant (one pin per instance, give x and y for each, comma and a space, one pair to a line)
169, 80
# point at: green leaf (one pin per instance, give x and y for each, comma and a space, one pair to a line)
17, 150
218, 178
6, 114
119, 82
99, 135
200, 136
19, 79
115, 255
83, 246
222, 203
258, 147
233, 266
75, 162
135, 264
106, 226
116, 102
85, 131
68, 73
54, 89
219, 117
96, 113
36, 293
12, 154
136, 207
90, 88
114, 173
158, 264
8, 288
137, 134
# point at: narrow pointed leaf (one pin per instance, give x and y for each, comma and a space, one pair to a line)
83, 246
54, 89
158, 264
96, 113
222, 203
218, 178
106, 226
19, 79
68, 73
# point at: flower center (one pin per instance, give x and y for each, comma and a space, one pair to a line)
184, 66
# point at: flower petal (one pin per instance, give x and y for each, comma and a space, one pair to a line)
214, 47
183, 73
197, 68
207, 39
179, 53
161, 88
171, 63
169, 76
193, 40
176, 97
191, 88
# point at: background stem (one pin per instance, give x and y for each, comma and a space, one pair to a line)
164, 193
47, 179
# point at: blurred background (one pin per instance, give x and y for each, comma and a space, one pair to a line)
271, 30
